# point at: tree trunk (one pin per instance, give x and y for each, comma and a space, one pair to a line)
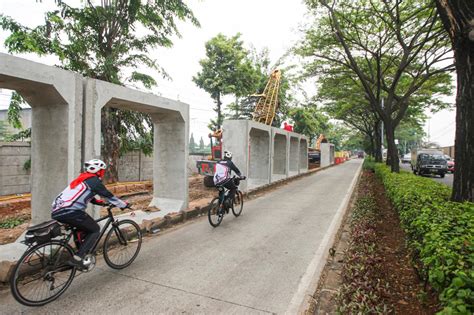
463, 184
111, 145
392, 151
457, 17
219, 111
372, 145
378, 143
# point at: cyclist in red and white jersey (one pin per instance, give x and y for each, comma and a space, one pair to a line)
70, 205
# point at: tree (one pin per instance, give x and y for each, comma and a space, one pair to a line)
192, 143
226, 70
308, 120
392, 47
244, 107
343, 99
410, 133
103, 42
3, 130
201, 144
458, 21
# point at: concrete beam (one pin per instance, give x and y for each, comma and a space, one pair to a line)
55, 96
171, 129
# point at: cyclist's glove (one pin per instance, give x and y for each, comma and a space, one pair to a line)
99, 202
128, 206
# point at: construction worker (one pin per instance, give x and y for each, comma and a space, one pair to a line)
287, 127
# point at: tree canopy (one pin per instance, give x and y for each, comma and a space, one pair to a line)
226, 70
392, 48
110, 41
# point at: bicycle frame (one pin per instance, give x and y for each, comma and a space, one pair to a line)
110, 220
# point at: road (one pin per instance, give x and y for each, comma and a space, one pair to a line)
261, 262
447, 180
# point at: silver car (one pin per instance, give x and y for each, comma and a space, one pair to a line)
406, 158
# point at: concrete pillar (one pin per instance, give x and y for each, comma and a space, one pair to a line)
170, 179
235, 140
303, 155
327, 154
293, 160
280, 154
259, 157
250, 145
55, 96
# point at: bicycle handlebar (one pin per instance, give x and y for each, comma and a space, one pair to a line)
111, 206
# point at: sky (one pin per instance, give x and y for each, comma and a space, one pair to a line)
262, 23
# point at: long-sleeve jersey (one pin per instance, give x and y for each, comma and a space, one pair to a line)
77, 198
223, 170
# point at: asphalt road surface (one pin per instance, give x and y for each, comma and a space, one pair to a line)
258, 263
447, 180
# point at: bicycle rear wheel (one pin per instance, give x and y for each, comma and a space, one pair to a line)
238, 203
215, 212
122, 244
41, 275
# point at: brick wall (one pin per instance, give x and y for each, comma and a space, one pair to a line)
14, 178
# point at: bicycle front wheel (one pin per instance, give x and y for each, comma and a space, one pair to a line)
41, 275
238, 203
215, 212
122, 244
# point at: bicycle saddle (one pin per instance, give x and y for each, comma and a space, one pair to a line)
43, 225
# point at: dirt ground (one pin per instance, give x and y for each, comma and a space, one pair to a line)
138, 195
406, 292
408, 295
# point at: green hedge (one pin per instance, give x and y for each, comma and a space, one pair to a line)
440, 234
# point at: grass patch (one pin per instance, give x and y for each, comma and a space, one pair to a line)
10, 223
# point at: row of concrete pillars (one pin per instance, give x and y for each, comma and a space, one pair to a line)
266, 154
66, 130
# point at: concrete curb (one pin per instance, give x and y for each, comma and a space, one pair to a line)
150, 225
309, 281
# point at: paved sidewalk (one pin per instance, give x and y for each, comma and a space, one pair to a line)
260, 262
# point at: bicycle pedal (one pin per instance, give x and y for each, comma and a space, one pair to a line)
89, 263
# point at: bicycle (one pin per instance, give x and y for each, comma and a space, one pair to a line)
42, 273
219, 206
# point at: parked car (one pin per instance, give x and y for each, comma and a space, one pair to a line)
406, 158
451, 166
450, 162
428, 161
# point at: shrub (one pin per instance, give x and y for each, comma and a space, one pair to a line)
440, 234
369, 163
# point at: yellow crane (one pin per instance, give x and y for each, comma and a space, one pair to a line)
267, 103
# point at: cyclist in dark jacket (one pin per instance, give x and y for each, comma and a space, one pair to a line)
222, 175
70, 206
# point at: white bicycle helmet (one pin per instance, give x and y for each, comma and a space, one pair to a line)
227, 155
95, 165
